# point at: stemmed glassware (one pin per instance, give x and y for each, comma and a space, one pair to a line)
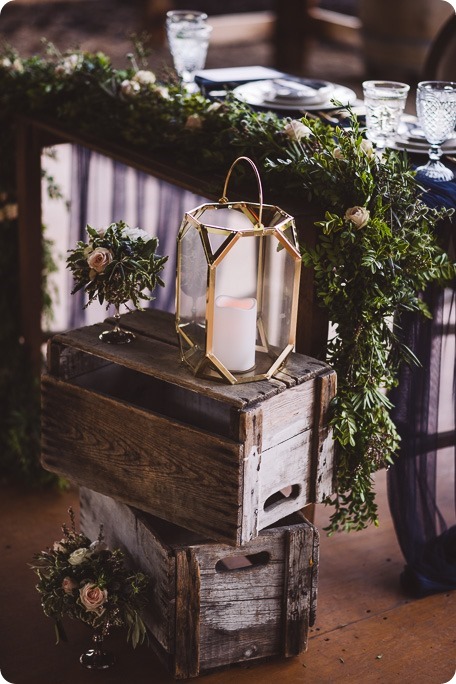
188, 38
385, 103
436, 110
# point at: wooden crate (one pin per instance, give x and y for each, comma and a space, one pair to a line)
132, 422
211, 605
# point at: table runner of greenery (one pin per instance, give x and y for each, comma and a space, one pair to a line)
377, 249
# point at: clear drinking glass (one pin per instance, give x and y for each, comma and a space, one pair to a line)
385, 104
188, 39
436, 110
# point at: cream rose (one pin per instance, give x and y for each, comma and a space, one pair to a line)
79, 556
368, 149
93, 598
99, 259
129, 88
68, 585
15, 65
162, 91
359, 216
337, 153
144, 77
296, 130
69, 65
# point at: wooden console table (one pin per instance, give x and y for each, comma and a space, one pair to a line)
33, 135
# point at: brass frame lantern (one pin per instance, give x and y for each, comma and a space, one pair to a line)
237, 287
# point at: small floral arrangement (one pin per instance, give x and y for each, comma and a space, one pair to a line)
84, 580
116, 265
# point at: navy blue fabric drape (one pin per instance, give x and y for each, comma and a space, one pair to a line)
427, 538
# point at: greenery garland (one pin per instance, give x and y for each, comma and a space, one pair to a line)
377, 250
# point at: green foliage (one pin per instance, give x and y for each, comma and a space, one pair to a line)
367, 274
377, 248
84, 580
116, 265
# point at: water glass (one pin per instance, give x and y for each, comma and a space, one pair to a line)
436, 111
188, 38
385, 104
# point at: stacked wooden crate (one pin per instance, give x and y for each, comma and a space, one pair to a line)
201, 483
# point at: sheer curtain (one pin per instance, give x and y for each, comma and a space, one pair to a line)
104, 191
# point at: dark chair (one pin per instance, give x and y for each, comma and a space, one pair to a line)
440, 63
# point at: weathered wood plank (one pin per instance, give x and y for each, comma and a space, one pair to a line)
185, 475
298, 589
187, 660
287, 465
252, 435
323, 458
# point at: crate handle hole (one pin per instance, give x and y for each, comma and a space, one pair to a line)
289, 493
238, 563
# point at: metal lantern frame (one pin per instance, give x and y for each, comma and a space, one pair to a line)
203, 361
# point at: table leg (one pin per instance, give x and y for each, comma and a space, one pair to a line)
28, 163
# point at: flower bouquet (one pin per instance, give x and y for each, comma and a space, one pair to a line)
84, 580
117, 265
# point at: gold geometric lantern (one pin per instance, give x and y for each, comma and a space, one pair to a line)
238, 270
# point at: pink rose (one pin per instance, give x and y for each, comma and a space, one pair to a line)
99, 259
194, 122
68, 585
92, 597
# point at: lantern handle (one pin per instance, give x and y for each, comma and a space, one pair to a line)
224, 198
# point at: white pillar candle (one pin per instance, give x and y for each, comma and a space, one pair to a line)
234, 334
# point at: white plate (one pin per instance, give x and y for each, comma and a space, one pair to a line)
411, 139
415, 146
258, 94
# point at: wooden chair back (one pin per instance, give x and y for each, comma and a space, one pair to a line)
440, 63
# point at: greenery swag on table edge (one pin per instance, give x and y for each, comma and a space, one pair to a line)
377, 250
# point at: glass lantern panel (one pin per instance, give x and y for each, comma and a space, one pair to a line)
193, 283
277, 295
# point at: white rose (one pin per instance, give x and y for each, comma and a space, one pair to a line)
79, 556
194, 122
144, 77
337, 153
129, 88
359, 216
135, 233
6, 63
296, 130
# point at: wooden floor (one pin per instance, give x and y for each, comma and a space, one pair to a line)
366, 629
